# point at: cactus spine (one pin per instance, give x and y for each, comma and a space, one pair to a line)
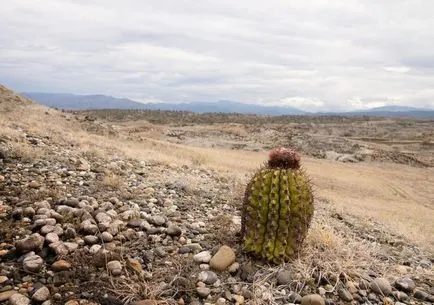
277, 208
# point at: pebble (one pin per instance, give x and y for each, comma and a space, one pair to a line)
405, 284
421, 295
203, 292
90, 239
106, 237
345, 295
312, 299
224, 257
33, 263
381, 286
61, 265
157, 220
41, 295
5, 295
3, 279
114, 267
208, 277
202, 257
239, 299
33, 242
283, 277
173, 230
51, 238
234, 267
19, 299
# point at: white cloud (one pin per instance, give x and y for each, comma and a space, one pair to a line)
397, 69
317, 54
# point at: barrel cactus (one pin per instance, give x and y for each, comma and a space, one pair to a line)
277, 208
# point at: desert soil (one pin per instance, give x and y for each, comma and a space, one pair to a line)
137, 208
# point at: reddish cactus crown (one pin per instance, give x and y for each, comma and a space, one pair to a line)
284, 158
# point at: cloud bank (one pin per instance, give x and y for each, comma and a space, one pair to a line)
314, 55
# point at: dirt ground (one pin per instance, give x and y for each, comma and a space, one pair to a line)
382, 169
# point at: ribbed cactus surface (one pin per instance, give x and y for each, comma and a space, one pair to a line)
277, 208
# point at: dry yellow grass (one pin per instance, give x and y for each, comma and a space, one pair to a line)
399, 196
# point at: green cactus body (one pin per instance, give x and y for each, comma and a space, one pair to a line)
277, 209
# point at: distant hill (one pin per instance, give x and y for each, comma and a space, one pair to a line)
81, 102
85, 102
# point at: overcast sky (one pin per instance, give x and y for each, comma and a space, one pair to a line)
314, 55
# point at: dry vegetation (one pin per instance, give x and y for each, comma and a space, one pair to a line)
386, 200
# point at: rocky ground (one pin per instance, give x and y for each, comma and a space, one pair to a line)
78, 227
89, 230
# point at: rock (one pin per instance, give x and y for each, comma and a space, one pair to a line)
224, 257
345, 294
173, 230
234, 267
145, 302
312, 299
202, 257
94, 249
89, 228
33, 242
157, 220
47, 229
194, 247
51, 238
283, 277
425, 264
61, 265
3, 279
106, 237
208, 277
405, 284
114, 267
220, 301
421, 295
34, 184
19, 299
401, 296
5, 295
90, 239
33, 263
351, 287
203, 292
381, 286
239, 299
41, 295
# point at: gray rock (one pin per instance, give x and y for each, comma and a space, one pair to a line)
401, 296
202, 257
19, 299
425, 264
41, 295
173, 230
234, 267
157, 220
51, 238
94, 249
59, 248
381, 286
114, 267
88, 227
203, 292
405, 284
208, 277
283, 277
90, 239
194, 247
33, 263
29, 212
345, 295
106, 237
33, 242
421, 295
47, 229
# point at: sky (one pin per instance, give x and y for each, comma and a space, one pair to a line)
317, 55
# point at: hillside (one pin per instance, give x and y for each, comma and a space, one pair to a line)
97, 210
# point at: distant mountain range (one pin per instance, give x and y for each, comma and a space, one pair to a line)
82, 102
